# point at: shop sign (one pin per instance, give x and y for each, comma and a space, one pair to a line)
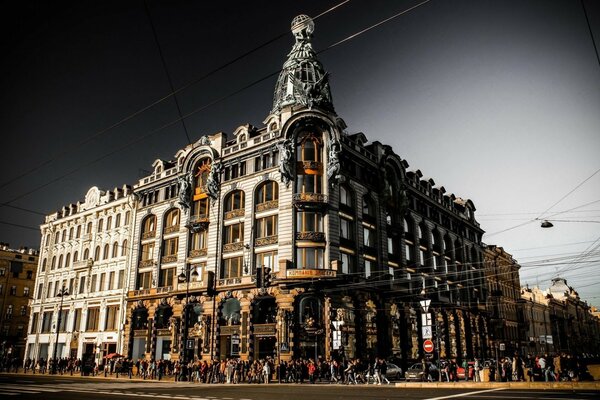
310, 273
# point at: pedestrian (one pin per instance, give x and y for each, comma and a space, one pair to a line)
266, 370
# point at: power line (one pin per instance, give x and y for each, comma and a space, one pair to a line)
197, 110
69, 149
20, 226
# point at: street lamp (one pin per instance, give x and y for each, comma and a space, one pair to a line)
61, 293
186, 277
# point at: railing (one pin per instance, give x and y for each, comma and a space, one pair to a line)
171, 229
310, 165
86, 237
83, 264
146, 263
164, 289
148, 235
230, 281
310, 198
197, 253
230, 247
140, 292
265, 241
235, 213
168, 259
198, 218
312, 236
267, 205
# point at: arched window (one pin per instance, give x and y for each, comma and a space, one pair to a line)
53, 263
68, 260
124, 248
76, 256
106, 252
44, 262
115, 250
89, 228
172, 221
64, 236
139, 318
127, 215
309, 312
149, 227
264, 311
118, 220
266, 192
109, 223
309, 168
231, 312
60, 261
71, 233
97, 254
100, 225
200, 199
57, 237
78, 234
86, 254
234, 201
368, 206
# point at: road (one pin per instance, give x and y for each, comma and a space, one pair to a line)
63, 388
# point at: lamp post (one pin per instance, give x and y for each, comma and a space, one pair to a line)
61, 293
186, 277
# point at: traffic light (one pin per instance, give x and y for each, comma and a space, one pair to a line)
266, 276
259, 277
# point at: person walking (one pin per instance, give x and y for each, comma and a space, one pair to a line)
383, 371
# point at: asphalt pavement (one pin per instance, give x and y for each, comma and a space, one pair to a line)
20, 386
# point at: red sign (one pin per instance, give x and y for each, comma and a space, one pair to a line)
428, 346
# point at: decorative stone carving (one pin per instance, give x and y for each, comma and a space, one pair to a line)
185, 190
213, 181
286, 163
333, 163
204, 141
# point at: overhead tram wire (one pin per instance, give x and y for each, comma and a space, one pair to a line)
164, 64
19, 226
195, 111
69, 149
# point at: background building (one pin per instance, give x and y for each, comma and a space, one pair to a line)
84, 251
508, 324
536, 313
17, 278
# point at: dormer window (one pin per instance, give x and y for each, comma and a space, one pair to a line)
242, 138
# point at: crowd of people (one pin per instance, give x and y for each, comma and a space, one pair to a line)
562, 367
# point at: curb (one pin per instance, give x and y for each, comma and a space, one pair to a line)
506, 385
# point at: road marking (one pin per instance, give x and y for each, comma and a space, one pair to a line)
10, 393
464, 394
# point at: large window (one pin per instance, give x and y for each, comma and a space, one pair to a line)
112, 318
345, 197
200, 197
267, 191
149, 227
93, 318
369, 236
144, 280
309, 258
147, 251
232, 268
167, 275
267, 260
170, 247
171, 221
198, 240
347, 263
309, 167
46, 321
77, 320
308, 221
234, 233
266, 226
234, 201
347, 229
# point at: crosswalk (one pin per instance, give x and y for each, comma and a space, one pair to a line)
27, 389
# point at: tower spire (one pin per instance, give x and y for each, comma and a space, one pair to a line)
302, 80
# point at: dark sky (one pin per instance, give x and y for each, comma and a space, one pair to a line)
498, 101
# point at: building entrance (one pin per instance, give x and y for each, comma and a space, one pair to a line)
265, 347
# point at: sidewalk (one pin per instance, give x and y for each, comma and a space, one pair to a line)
508, 385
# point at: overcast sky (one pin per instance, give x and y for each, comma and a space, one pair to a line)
498, 101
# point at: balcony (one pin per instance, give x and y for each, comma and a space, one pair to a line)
83, 264
265, 241
231, 247
311, 236
310, 167
146, 263
309, 200
171, 229
168, 259
148, 235
234, 214
164, 289
86, 237
267, 205
197, 253
198, 223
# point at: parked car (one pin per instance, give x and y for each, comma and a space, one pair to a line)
415, 372
394, 372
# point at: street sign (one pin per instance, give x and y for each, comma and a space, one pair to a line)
428, 346
425, 305
549, 339
502, 346
426, 319
427, 332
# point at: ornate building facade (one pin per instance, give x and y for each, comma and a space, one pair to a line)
17, 278
508, 326
298, 239
83, 266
